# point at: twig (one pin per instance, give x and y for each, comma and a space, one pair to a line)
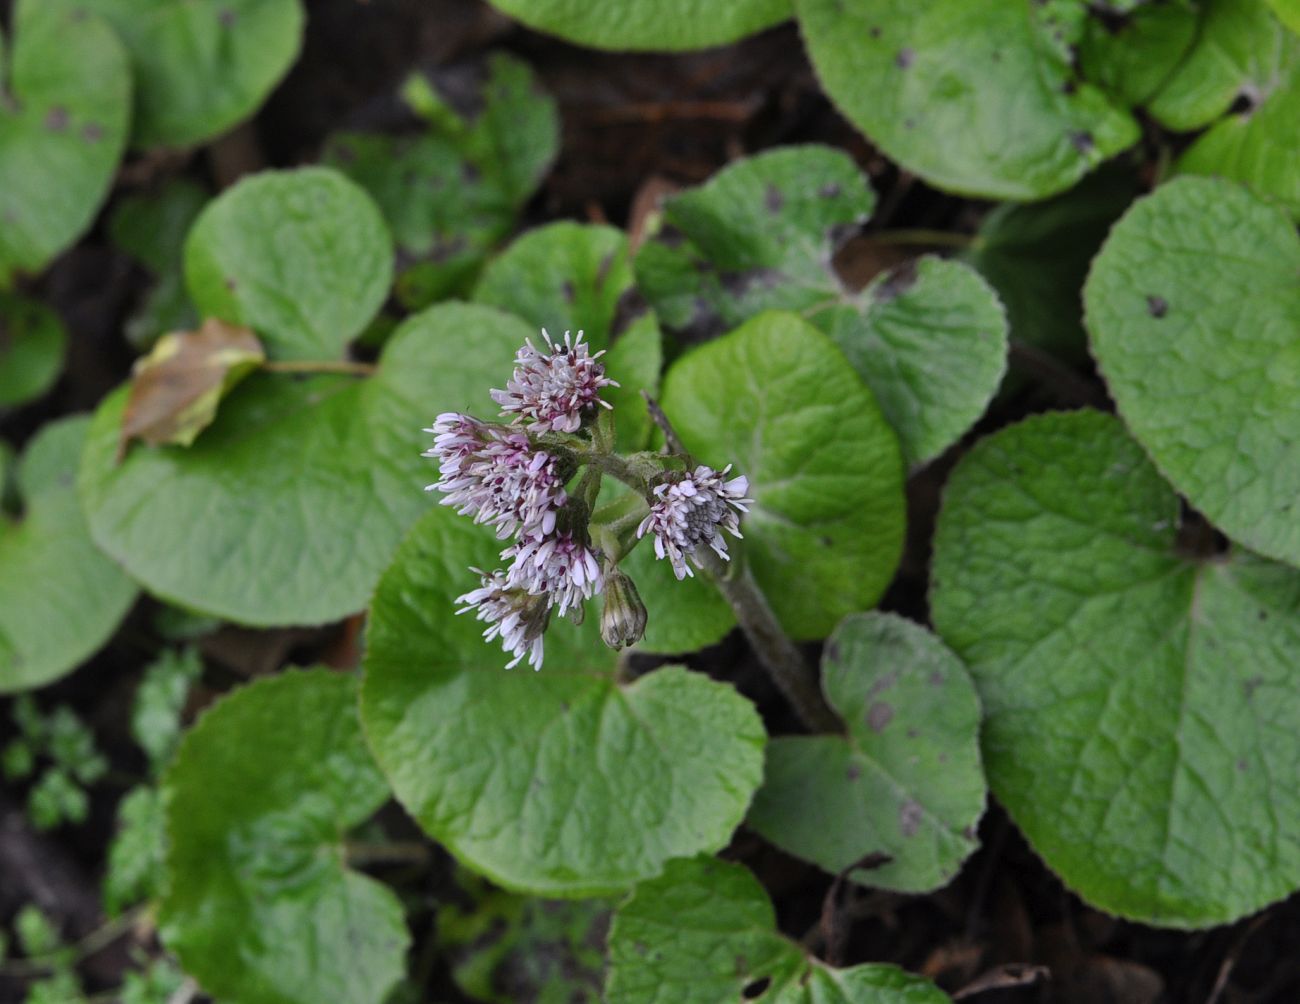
1068, 386
1006, 977
1230, 959
97, 940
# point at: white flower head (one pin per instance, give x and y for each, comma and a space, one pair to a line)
511, 614
552, 388
557, 565
692, 509
495, 474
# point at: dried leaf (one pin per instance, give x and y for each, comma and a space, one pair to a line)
176, 388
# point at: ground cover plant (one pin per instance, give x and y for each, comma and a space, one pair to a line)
784, 500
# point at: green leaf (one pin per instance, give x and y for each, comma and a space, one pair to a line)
60, 599
1140, 704
32, 347
65, 104
70, 743
1193, 308
906, 781
61, 988
931, 81
159, 700
705, 933
929, 340
135, 857
155, 985
651, 25
1288, 12
452, 191
151, 229
559, 783
1133, 56
37, 934
777, 399
1036, 257
506, 948
56, 799
288, 507
570, 276
260, 906
303, 257
202, 66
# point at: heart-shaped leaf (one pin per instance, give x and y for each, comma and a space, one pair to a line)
778, 399
928, 339
259, 904
1140, 704
1193, 308
60, 599
905, 781
563, 782
302, 257
32, 347
648, 24
931, 82
202, 66
288, 507
65, 106
705, 933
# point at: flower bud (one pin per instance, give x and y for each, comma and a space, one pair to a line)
622, 622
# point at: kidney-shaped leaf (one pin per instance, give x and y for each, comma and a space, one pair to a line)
259, 905
1141, 705
1194, 311
976, 96
60, 598
563, 782
705, 933
302, 257
32, 347
287, 508
905, 781
65, 106
777, 399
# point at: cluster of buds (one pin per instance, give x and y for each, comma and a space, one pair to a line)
516, 476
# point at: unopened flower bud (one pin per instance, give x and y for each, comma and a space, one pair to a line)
622, 622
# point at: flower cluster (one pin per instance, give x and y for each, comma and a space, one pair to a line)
515, 478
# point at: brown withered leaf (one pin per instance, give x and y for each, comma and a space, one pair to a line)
176, 388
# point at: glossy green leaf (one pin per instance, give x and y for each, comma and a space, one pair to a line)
151, 229
1140, 703
135, 857
32, 347
976, 96
201, 66
654, 25
1193, 307
1133, 55
65, 106
778, 399
705, 933
570, 276
288, 507
562, 782
905, 781
302, 257
929, 340
452, 190
60, 599
259, 904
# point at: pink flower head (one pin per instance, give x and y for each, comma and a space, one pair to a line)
558, 565
689, 510
518, 619
552, 388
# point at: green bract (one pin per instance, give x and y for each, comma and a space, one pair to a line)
928, 339
60, 598
65, 104
1141, 704
906, 780
564, 782
302, 257
1193, 307
648, 24
451, 191
201, 65
32, 347
777, 399
975, 96
260, 906
288, 507
705, 933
